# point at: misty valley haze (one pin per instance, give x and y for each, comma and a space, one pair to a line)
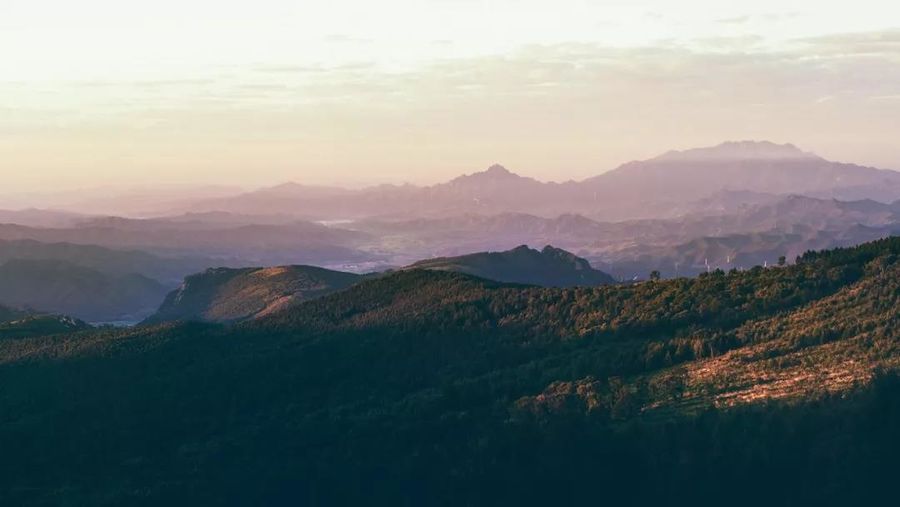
735, 205
449, 253
492, 305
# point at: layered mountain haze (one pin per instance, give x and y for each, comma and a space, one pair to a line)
678, 177
64, 288
494, 190
168, 270
752, 235
640, 189
448, 253
411, 240
739, 150
734, 251
232, 244
144, 201
287, 198
731, 206
789, 225
524, 372
41, 217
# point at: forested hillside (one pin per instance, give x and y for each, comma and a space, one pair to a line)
231, 295
767, 386
16, 323
548, 267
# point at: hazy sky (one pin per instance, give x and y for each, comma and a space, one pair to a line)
355, 91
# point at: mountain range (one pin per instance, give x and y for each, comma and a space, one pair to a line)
229, 243
168, 270
640, 189
735, 205
436, 387
791, 225
233, 295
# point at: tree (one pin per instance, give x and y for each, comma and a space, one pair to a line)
655, 275
782, 260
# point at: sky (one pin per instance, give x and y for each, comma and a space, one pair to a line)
355, 92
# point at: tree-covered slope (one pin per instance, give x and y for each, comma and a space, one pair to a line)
15, 323
41, 325
428, 387
549, 267
230, 295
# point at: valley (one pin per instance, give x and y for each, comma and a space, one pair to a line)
331, 346
449, 370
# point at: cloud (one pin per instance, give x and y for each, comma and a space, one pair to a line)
738, 20
312, 69
146, 84
573, 105
730, 72
758, 18
746, 42
347, 39
723, 72
881, 43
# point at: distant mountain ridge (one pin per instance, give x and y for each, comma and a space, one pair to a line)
16, 323
755, 167
40, 217
246, 244
736, 150
800, 223
733, 205
639, 189
549, 267
167, 270
59, 287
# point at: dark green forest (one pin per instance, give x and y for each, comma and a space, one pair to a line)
771, 386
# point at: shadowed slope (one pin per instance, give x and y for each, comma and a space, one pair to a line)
549, 267
64, 288
430, 387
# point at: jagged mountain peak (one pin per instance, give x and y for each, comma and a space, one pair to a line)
495, 172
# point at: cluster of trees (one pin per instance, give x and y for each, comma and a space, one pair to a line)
410, 389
